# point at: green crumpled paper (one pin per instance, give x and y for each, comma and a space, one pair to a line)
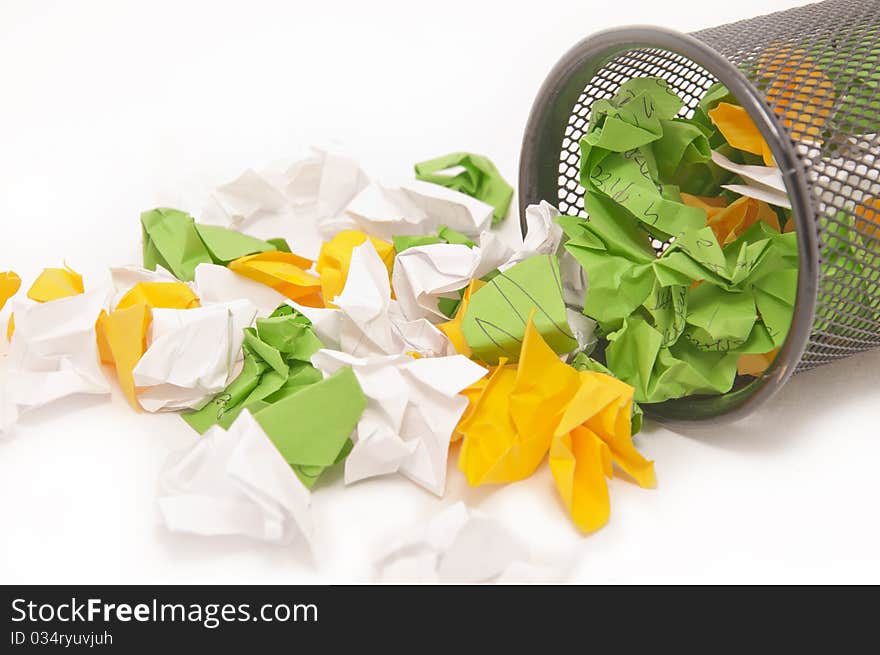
617, 258
448, 306
478, 179
497, 314
172, 239
280, 244
308, 417
636, 355
639, 155
846, 264
311, 428
630, 181
675, 322
227, 245
650, 309
276, 364
633, 116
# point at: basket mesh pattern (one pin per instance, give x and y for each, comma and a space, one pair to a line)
818, 67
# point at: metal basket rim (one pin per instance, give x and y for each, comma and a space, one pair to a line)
595, 51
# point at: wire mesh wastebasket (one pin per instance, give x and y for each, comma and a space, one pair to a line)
810, 80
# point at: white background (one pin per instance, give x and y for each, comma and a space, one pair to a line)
110, 108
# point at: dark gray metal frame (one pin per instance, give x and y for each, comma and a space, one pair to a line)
538, 174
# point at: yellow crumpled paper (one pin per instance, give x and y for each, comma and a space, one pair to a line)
122, 334
452, 328
122, 341
799, 90
740, 131
285, 272
755, 364
868, 213
168, 295
55, 283
335, 259
730, 221
51, 284
10, 283
582, 418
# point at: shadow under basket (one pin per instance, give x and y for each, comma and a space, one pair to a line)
827, 148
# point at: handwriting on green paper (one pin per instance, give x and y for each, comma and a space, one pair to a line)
677, 308
496, 317
632, 117
636, 355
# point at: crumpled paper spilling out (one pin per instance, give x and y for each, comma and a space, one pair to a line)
312, 317
540, 406
235, 482
463, 546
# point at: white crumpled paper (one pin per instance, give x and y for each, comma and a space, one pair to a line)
543, 234
368, 321
217, 284
235, 482
288, 200
459, 545
424, 274
574, 281
192, 354
761, 182
414, 208
413, 408
53, 354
